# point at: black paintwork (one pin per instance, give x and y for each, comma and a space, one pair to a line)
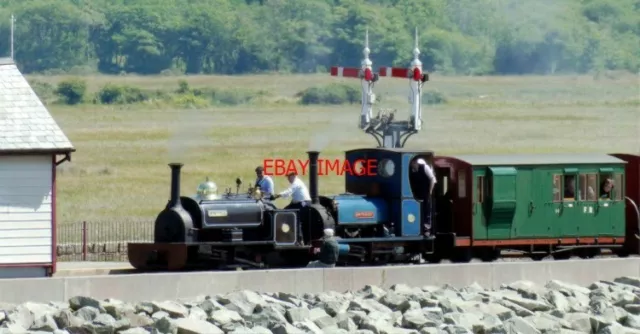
239, 213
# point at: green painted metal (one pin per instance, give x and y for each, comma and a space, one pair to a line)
518, 202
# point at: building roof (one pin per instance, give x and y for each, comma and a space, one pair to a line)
539, 159
26, 126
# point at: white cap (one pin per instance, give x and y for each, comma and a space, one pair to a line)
421, 162
328, 232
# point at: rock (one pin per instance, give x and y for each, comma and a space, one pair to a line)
78, 302
174, 309
520, 307
520, 326
243, 302
193, 326
44, 323
87, 313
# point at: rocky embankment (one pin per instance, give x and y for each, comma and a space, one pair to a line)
519, 308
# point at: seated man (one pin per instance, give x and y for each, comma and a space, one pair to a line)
605, 189
328, 252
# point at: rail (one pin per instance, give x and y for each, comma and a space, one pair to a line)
100, 240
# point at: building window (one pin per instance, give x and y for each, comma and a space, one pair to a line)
462, 184
480, 190
557, 188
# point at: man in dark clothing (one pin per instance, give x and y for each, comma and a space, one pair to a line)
328, 252
423, 181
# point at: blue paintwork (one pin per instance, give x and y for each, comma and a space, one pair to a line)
343, 249
410, 207
406, 185
349, 205
388, 185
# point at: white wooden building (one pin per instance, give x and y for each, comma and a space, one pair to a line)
31, 146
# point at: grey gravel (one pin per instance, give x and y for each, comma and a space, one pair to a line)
604, 307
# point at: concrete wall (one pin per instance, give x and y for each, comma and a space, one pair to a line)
188, 285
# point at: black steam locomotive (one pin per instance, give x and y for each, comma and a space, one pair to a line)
237, 229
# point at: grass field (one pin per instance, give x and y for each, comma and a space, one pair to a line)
120, 173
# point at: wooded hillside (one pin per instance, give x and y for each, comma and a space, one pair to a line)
247, 36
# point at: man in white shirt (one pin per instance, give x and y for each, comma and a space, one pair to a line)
423, 176
299, 198
264, 182
297, 191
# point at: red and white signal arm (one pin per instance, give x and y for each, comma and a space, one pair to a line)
345, 72
397, 72
351, 72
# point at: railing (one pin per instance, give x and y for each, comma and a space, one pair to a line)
100, 240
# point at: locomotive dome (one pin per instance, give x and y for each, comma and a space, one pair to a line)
207, 190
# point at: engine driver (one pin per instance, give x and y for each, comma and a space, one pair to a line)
300, 198
297, 191
264, 182
423, 174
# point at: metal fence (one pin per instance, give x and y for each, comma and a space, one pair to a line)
100, 240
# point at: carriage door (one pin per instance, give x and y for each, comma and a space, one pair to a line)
442, 198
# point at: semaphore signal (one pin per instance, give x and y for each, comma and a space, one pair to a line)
388, 133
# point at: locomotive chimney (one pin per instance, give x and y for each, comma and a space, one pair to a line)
313, 176
175, 184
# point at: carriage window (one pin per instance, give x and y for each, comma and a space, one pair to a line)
462, 184
618, 187
607, 186
480, 197
582, 185
591, 187
569, 187
557, 186
587, 186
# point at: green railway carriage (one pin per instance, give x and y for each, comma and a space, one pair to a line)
539, 203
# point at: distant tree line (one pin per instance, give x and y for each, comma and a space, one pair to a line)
469, 37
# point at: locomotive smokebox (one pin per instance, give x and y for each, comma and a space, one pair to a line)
174, 223
313, 176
